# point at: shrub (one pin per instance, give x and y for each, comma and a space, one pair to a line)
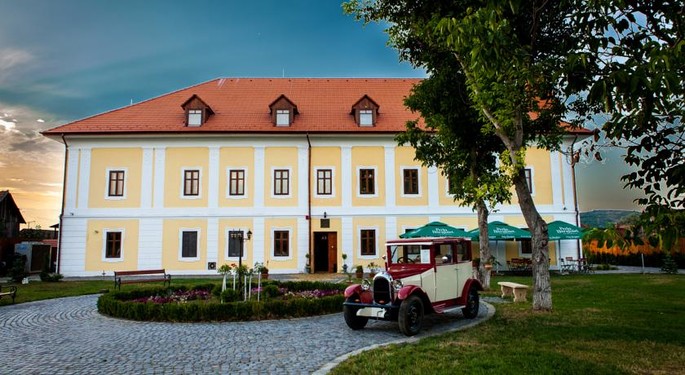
270, 291
50, 277
18, 270
122, 305
230, 295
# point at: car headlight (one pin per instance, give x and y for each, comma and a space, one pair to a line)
366, 284
397, 285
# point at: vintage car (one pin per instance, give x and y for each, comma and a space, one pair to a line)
422, 275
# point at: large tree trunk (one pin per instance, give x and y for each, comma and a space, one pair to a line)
484, 244
542, 287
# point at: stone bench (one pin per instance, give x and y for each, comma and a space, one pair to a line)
518, 291
10, 291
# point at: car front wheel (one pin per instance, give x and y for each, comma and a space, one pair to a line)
411, 315
350, 313
472, 304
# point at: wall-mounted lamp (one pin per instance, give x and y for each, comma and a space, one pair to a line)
249, 234
324, 214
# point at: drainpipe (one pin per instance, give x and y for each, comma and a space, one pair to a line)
309, 202
64, 194
575, 194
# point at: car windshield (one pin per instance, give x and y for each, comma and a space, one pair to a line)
410, 254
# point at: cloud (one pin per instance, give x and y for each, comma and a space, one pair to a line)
8, 125
10, 59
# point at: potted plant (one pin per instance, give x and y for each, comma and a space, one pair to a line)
262, 269
359, 272
344, 266
373, 269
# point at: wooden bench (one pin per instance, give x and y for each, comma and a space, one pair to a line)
140, 277
518, 291
9, 291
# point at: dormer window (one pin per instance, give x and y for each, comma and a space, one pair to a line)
283, 111
194, 117
282, 117
365, 117
197, 111
365, 111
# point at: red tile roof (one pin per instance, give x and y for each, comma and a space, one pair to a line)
242, 105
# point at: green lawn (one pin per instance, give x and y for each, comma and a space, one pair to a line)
601, 324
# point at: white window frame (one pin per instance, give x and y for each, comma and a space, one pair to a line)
194, 115
104, 245
273, 183
199, 183
110, 197
181, 258
359, 182
359, 239
228, 183
316, 182
279, 258
418, 182
532, 179
520, 249
283, 117
366, 118
227, 239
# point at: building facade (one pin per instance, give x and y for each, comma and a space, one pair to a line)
305, 170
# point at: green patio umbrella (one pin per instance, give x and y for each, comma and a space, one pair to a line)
498, 230
561, 230
436, 229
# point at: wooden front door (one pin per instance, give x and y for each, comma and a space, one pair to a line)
325, 251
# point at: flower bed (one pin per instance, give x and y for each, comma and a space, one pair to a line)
278, 300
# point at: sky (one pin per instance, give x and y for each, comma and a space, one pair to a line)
64, 60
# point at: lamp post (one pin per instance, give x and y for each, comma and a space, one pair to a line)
238, 235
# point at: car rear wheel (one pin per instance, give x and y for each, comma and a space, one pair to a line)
472, 304
411, 315
350, 313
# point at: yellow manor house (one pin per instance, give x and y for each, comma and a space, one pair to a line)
297, 166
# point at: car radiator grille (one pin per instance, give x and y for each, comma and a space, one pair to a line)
381, 290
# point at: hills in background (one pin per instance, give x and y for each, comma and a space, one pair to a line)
602, 218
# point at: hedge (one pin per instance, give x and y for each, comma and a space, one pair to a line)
120, 305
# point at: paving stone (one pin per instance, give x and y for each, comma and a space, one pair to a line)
69, 336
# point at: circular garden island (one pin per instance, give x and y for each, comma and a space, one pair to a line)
207, 303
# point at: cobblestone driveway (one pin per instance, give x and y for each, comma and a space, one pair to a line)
69, 336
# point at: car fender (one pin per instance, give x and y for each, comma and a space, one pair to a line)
408, 290
470, 283
352, 290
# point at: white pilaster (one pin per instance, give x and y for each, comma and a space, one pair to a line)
302, 179
390, 176
213, 240
259, 239
390, 230
213, 179
150, 243
347, 238
146, 182
434, 190
158, 197
84, 179
346, 176
259, 182
72, 181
